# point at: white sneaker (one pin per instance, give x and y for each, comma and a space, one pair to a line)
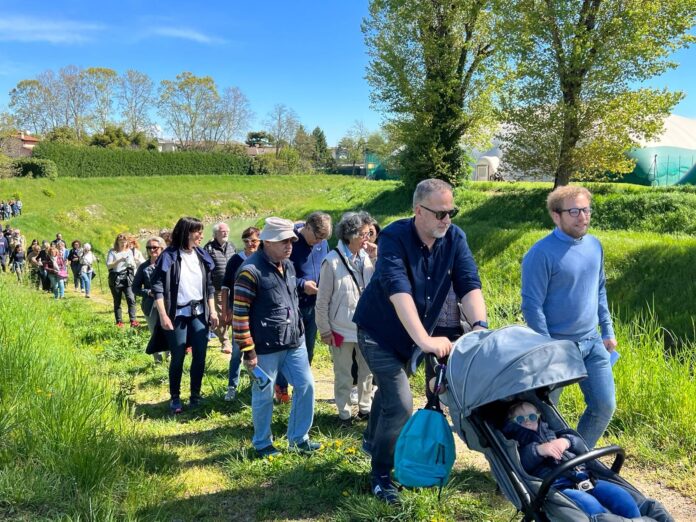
231, 393
354, 396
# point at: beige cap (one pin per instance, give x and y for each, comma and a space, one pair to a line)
278, 229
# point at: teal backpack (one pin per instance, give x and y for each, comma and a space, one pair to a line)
425, 451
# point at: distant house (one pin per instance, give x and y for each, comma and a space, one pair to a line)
258, 151
18, 146
167, 145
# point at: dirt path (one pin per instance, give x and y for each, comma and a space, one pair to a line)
682, 508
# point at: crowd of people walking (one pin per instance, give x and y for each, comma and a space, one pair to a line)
375, 299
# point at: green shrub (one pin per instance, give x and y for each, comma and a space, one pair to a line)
89, 162
35, 168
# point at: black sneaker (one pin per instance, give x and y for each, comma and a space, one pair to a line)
306, 446
363, 416
384, 489
195, 401
175, 406
268, 451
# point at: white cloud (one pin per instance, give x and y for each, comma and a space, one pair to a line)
186, 34
29, 29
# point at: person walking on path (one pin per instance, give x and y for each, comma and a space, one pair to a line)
564, 297
142, 285
307, 255
121, 265
268, 327
75, 267
221, 251
184, 296
250, 238
345, 273
87, 260
419, 259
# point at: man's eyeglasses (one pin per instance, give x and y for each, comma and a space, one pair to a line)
152, 247
521, 419
440, 214
575, 212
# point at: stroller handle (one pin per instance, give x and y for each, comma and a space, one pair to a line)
580, 459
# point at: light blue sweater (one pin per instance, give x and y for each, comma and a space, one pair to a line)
563, 291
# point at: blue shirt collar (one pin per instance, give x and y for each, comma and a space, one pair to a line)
419, 241
346, 251
565, 237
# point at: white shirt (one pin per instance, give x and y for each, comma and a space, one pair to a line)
125, 260
190, 279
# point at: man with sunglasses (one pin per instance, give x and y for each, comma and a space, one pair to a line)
420, 259
564, 297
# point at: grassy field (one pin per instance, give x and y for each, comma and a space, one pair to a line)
84, 430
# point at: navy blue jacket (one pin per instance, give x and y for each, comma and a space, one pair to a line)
406, 265
165, 278
307, 262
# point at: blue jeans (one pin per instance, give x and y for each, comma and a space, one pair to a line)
391, 407
57, 285
598, 389
235, 365
86, 281
193, 332
605, 496
310, 327
295, 366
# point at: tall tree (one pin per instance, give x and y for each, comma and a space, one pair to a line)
135, 97
574, 110
76, 97
101, 83
237, 112
304, 144
189, 107
281, 123
321, 155
431, 72
26, 104
259, 139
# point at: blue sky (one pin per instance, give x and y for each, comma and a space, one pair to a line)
308, 55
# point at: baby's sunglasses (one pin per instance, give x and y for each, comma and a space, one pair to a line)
521, 419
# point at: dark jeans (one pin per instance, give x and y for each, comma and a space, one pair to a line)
76, 270
3, 262
310, 327
193, 332
392, 405
118, 293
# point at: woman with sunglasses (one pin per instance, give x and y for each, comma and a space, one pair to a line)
182, 284
250, 238
142, 285
542, 450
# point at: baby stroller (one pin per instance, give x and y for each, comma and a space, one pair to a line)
488, 370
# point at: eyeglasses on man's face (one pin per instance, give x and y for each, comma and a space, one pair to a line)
441, 214
575, 212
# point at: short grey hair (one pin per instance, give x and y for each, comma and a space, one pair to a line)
427, 187
350, 225
158, 240
216, 227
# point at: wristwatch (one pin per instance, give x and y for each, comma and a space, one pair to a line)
482, 324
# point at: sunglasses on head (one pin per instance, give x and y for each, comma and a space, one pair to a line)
521, 419
440, 214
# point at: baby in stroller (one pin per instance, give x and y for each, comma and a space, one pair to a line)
541, 451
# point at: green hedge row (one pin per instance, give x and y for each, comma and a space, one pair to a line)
35, 168
92, 162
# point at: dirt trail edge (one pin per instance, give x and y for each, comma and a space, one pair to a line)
682, 508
